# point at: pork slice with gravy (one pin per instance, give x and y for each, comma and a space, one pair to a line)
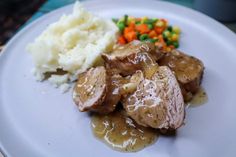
187, 69
134, 56
97, 91
157, 102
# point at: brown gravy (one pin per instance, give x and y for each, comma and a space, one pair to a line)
121, 133
199, 98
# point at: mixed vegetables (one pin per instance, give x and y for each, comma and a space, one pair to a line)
148, 29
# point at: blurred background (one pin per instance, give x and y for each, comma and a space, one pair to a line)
15, 14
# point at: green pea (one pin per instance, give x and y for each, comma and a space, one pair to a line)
151, 40
148, 21
150, 26
138, 34
143, 37
176, 44
169, 28
121, 26
166, 34
151, 21
168, 42
121, 20
155, 20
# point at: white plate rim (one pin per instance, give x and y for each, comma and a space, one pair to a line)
226, 32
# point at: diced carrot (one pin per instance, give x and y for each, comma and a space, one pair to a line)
160, 39
128, 29
171, 47
152, 34
157, 43
121, 40
130, 36
132, 25
161, 42
142, 28
129, 33
159, 30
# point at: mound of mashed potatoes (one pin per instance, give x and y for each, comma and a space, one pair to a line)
73, 44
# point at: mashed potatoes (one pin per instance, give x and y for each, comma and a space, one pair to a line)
73, 44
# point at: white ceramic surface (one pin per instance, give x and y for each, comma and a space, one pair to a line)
36, 120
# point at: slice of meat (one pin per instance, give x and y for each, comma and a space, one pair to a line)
131, 57
157, 102
96, 91
113, 94
187, 69
90, 89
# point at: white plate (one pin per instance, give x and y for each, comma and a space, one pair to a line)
37, 120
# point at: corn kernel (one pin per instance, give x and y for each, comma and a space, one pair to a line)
175, 37
166, 34
176, 29
144, 19
130, 19
165, 22
169, 39
168, 49
159, 23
